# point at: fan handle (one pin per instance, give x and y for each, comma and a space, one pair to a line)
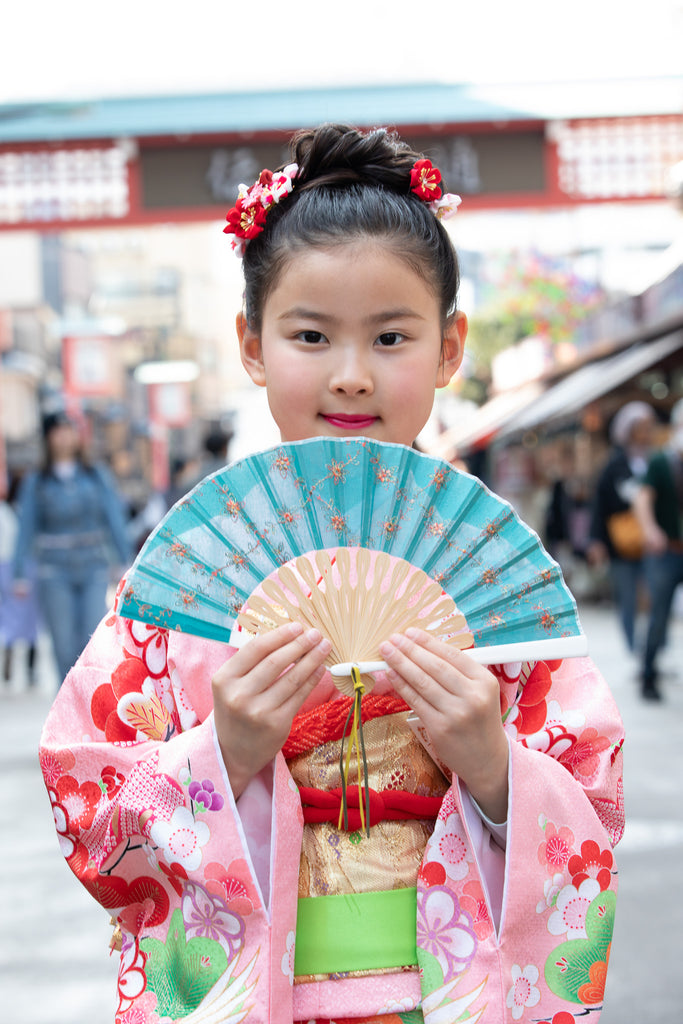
496, 654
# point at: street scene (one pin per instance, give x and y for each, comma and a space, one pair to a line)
342, 335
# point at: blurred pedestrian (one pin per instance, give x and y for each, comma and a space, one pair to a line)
19, 617
71, 521
567, 518
615, 534
659, 507
216, 446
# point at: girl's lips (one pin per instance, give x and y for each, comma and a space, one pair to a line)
350, 422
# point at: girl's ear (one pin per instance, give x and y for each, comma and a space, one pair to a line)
250, 351
452, 348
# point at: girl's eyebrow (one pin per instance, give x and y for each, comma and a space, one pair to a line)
400, 313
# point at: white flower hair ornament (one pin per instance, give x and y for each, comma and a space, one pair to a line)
247, 218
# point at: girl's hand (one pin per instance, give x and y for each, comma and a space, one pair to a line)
458, 702
257, 693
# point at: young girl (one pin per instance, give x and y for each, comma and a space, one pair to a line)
493, 898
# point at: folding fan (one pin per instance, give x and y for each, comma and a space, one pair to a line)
360, 538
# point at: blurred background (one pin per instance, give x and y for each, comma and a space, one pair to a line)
124, 133
122, 145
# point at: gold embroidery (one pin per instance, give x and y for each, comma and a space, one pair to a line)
335, 862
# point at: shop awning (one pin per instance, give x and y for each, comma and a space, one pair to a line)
579, 389
536, 404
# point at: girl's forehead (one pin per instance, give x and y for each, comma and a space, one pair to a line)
356, 265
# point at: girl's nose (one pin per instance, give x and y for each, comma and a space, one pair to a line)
352, 376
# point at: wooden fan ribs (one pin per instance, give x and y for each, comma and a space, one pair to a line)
357, 601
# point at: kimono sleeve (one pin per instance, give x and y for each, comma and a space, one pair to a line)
549, 950
147, 821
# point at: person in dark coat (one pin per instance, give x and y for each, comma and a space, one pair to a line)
632, 436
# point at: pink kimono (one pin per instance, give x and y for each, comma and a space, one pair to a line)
205, 891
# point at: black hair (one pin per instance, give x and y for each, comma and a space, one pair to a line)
351, 184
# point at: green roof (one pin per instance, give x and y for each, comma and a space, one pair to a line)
405, 104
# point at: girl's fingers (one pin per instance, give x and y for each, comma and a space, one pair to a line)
460, 660
266, 657
294, 685
421, 659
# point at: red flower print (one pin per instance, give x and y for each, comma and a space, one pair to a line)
112, 780
593, 863
563, 1017
473, 902
432, 873
152, 643
557, 847
233, 885
145, 900
55, 764
532, 710
174, 872
425, 180
79, 801
80, 862
127, 677
583, 757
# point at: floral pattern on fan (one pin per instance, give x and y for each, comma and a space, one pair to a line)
215, 547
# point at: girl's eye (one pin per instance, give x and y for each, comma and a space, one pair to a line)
389, 339
311, 337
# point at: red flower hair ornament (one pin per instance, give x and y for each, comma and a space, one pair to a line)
247, 217
425, 182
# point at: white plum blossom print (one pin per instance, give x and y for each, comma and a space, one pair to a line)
397, 1006
181, 838
523, 992
448, 847
569, 916
287, 963
208, 916
571, 718
445, 930
551, 888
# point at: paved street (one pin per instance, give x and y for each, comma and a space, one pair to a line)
54, 957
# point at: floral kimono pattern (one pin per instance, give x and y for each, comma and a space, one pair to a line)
206, 911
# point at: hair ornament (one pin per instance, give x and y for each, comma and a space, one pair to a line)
425, 182
247, 217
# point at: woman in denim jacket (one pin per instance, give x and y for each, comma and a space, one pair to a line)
71, 522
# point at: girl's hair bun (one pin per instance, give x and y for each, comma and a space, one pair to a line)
349, 184
337, 154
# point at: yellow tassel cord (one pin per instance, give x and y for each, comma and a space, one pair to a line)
355, 740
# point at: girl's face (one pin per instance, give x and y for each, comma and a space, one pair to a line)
351, 344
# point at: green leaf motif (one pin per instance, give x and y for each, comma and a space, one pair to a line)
412, 1017
568, 966
430, 969
181, 973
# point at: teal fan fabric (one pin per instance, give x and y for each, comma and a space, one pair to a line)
215, 546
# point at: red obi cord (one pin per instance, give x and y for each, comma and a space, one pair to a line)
388, 805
